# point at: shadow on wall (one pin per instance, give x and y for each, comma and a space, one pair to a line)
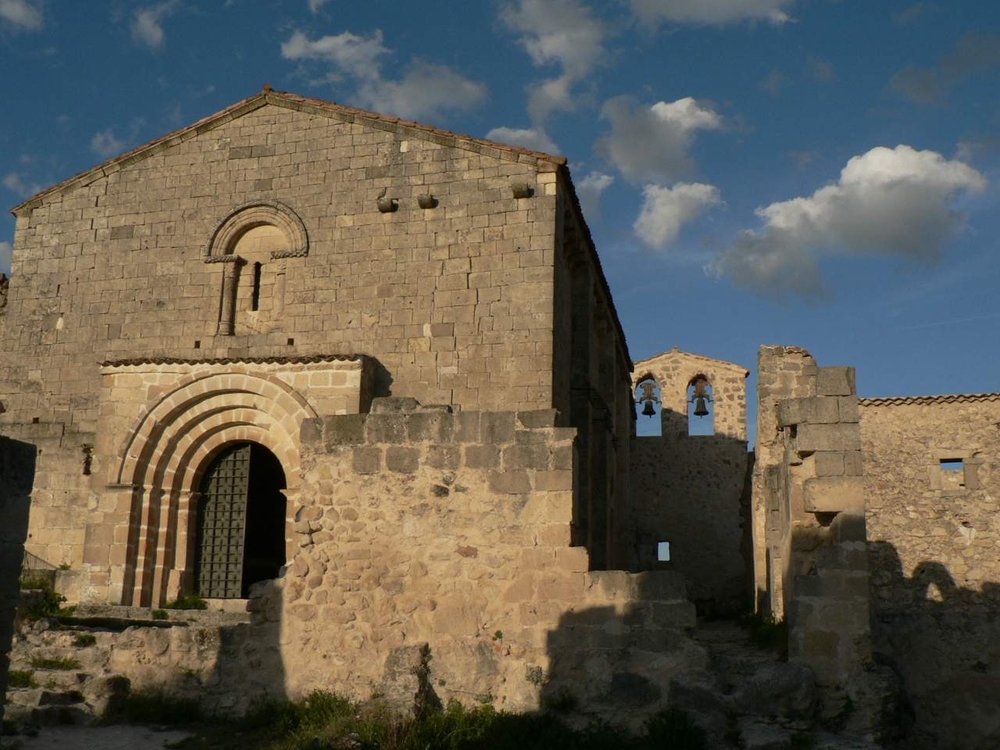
17, 476
944, 642
691, 490
619, 660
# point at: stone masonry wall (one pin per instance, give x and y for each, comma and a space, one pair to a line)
453, 530
934, 552
815, 538
689, 489
17, 465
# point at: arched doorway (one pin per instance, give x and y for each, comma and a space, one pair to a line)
241, 522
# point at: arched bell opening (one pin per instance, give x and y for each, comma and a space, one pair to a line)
648, 408
701, 406
240, 535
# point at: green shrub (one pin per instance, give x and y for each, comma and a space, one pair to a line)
46, 604
84, 639
187, 601
21, 678
41, 662
160, 614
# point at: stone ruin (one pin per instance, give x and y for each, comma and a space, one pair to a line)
360, 383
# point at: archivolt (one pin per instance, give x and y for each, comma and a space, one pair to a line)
255, 214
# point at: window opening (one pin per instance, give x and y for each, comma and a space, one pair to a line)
701, 407
663, 551
952, 473
255, 298
648, 409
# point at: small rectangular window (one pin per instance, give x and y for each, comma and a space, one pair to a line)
952, 473
663, 551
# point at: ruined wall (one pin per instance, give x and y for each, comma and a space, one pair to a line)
17, 469
454, 530
817, 567
688, 489
934, 553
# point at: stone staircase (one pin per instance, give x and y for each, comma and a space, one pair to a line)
752, 699
70, 661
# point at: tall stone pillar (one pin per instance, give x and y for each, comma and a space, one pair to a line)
230, 279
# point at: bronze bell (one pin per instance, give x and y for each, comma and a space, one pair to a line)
700, 407
648, 410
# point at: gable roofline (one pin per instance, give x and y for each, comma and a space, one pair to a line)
677, 353
546, 162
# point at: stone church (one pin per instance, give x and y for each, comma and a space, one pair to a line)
364, 379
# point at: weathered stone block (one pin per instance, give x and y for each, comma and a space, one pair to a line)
386, 428
311, 431
526, 457
834, 494
538, 418
848, 407
402, 460
497, 427
367, 460
829, 463
435, 427
394, 405
467, 427
348, 429
816, 410
835, 381
444, 457
482, 456
827, 437
849, 527
852, 463
510, 482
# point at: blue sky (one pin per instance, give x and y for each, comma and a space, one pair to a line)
822, 173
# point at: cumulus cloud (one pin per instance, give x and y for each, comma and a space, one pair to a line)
665, 210
710, 12
651, 143
316, 5
563, 33
6, 256
534, 138
147, 24
106, 143
974, 53
425, 89
16, 184
590, 190
891, 202
20, 15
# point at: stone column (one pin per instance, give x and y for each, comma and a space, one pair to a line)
230, 277
279, 290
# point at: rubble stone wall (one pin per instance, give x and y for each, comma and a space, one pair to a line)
934, 553
454, 530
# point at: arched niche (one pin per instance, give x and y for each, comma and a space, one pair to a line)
252, 243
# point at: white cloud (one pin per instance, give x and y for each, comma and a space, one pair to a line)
973, 54
106, 143
21, 15
651, 143
590, 190
535, 139
665, 210
425, 91
562, 33
315, 5
772, 82
6, 256
147, 23
350, 54
707, 12
891, 202
16, 184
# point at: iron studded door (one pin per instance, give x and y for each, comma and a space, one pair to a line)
222, 519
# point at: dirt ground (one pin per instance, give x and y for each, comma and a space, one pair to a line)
119, 737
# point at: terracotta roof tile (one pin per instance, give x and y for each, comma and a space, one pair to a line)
290, 360
947, 398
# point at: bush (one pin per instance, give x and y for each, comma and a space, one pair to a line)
46, 602
84, 639
21, 678
41, 662
187, 601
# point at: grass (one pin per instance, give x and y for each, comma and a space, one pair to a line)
48, 604
41, 662
21, 678
161, 614
187, 601
324, 721
84, 639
